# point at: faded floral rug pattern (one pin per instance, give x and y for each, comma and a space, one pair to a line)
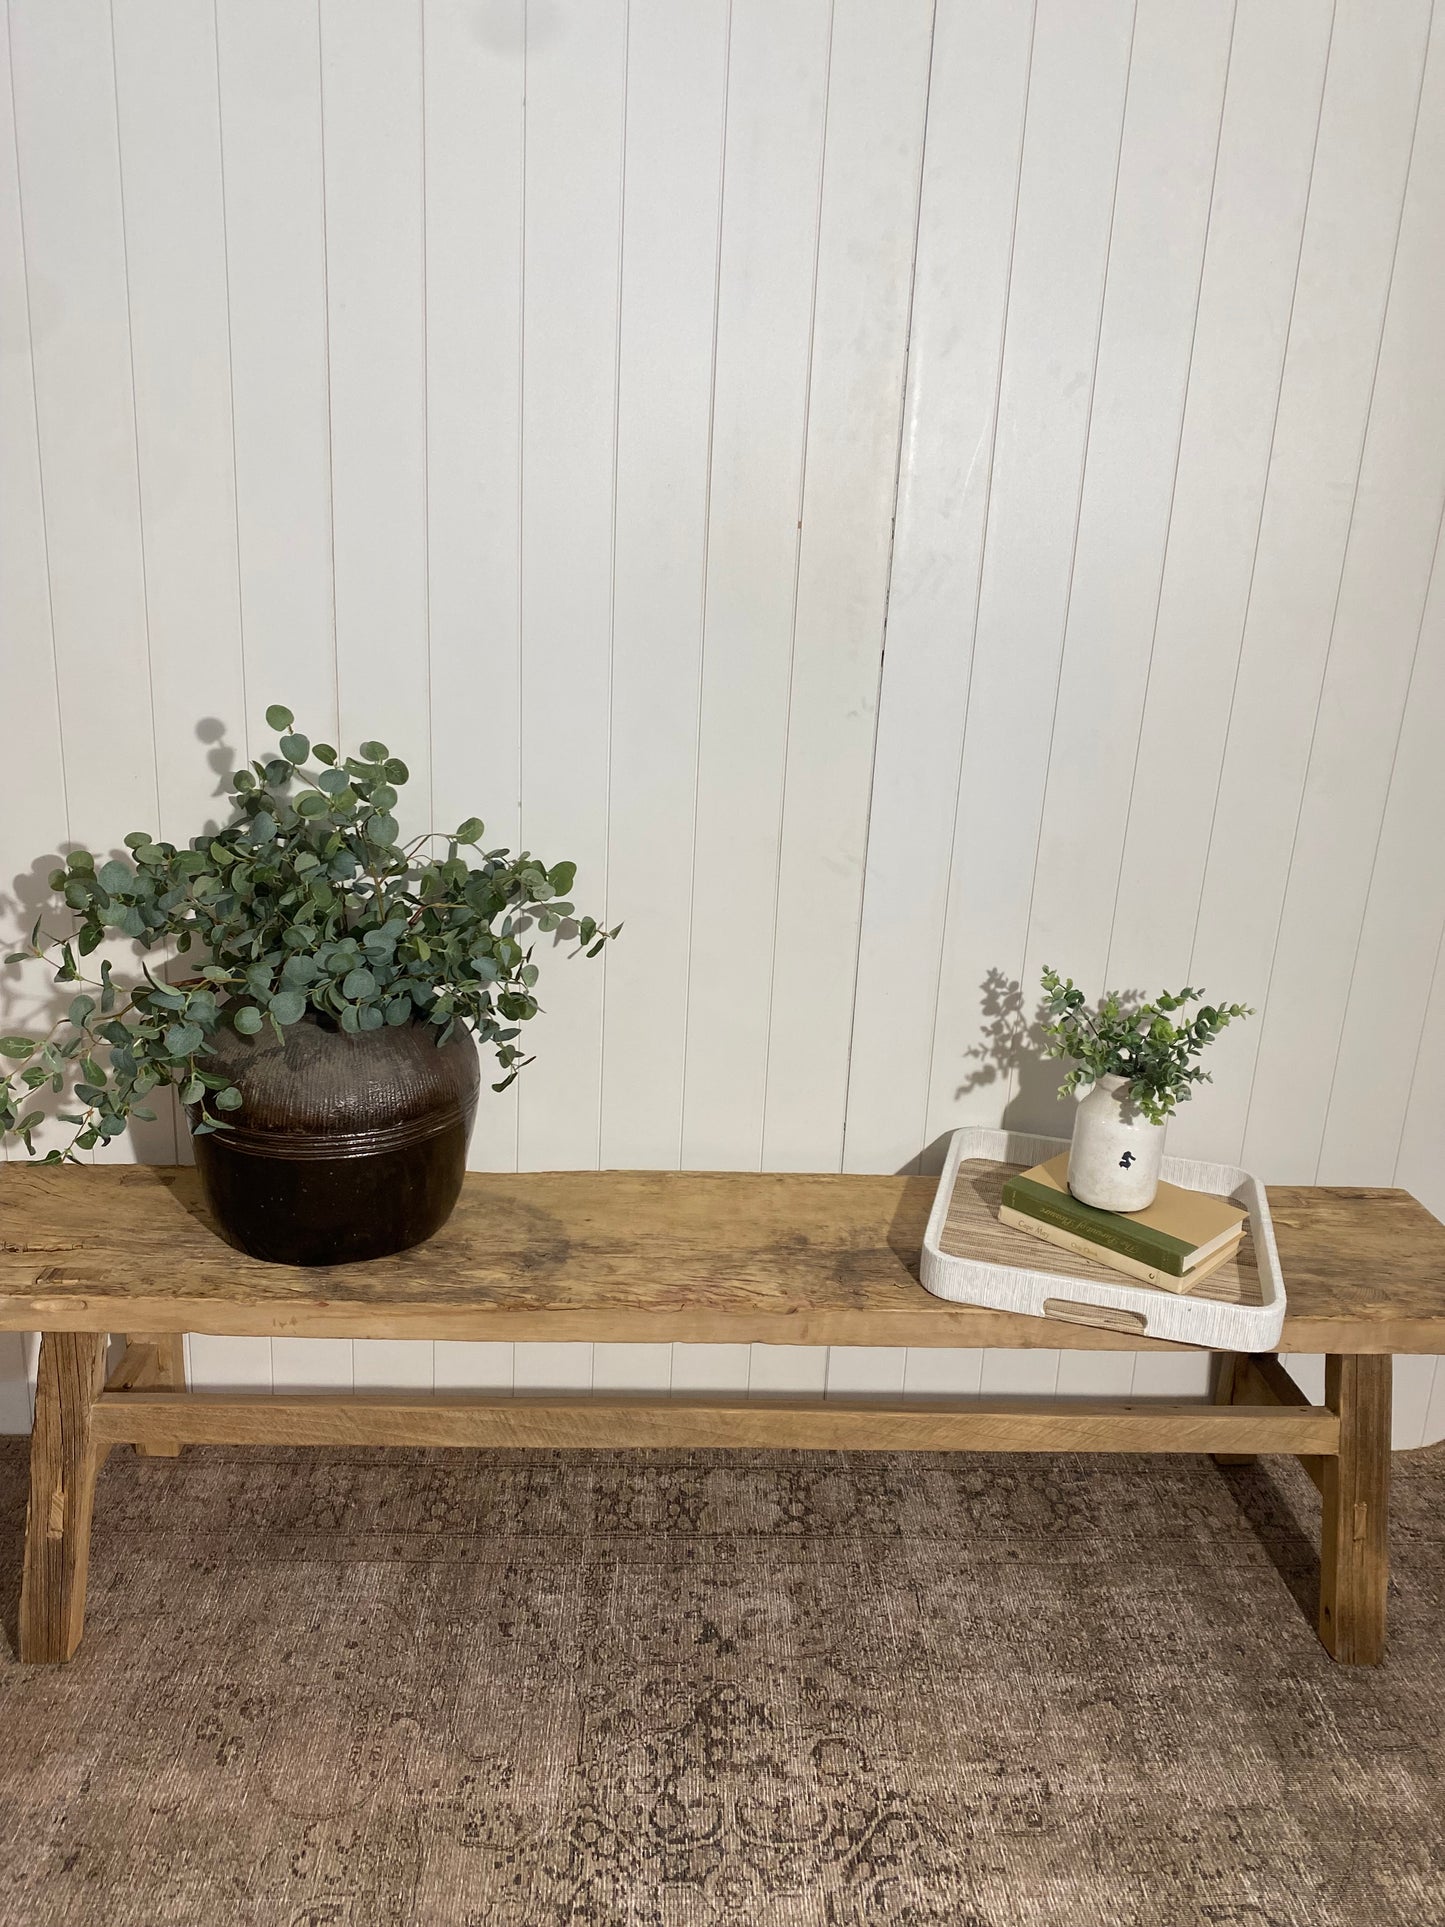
408, 1689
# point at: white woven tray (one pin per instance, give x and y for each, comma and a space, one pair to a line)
1076, 1292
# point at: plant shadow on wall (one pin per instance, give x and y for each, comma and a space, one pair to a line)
1012, 1050
32, 1004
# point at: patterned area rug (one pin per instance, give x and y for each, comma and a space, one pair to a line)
406, 1689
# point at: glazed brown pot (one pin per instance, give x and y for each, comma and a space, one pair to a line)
349, 1145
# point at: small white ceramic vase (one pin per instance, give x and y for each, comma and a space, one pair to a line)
1116, 1152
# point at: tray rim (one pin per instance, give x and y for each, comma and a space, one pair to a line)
1205, 1322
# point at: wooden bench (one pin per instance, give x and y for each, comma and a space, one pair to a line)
785, 1260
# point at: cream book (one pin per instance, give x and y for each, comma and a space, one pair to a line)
1116, 1261
1176, 1233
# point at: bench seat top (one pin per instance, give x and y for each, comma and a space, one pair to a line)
646, 1255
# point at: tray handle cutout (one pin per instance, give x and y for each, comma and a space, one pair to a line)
1110, 1318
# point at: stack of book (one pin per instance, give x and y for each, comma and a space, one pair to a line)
1176, 1242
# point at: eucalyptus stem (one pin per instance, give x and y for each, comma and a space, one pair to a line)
1153, 1045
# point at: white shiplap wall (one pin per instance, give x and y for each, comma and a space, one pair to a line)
900, 492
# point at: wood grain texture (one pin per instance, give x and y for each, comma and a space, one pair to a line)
927, 1425
157, 1362
1227, 1376
643, 1256
62, 1494
1354, 1546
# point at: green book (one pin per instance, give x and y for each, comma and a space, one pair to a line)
1175, 1233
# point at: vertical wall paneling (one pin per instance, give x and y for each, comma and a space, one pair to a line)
1375, 647
371, 86
863, 1371
711, 1368
34, 824
563, 1367
576, 101
777, 96
170, 159
1414, 1382
1161, 209
474, 116
1372, 93
1400, 939
1079, 78
677, 76
1105, 1374
310, 1364
484, 1365
899, 495
1251, 257
977, 88
70, 185
631, 1368
1420, 1165
787, 1371
170, 171
75, 251
269, 60
877, 90
1025, 1374
942, 1370
237, 1364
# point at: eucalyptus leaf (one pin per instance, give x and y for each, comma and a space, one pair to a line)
304, 899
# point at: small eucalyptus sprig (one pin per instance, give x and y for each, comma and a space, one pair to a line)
1142, 1042
308, 900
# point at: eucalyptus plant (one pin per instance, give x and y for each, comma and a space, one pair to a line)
307, 900
1152, 1044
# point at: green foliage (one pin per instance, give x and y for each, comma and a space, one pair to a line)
306, 900
1150, 1044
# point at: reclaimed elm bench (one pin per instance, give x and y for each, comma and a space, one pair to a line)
86, 1252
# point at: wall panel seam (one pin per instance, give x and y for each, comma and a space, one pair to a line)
797, 575
703, 583
1078, 514
39, 446
244, 731
145, 590
1173, 492
1374, 863
888, 577
612, 569
1263, 495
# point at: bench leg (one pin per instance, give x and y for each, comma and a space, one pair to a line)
167, 1375
62, 1494
1354, 1548
1227, 1367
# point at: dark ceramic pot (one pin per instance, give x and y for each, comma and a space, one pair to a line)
349, 1144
